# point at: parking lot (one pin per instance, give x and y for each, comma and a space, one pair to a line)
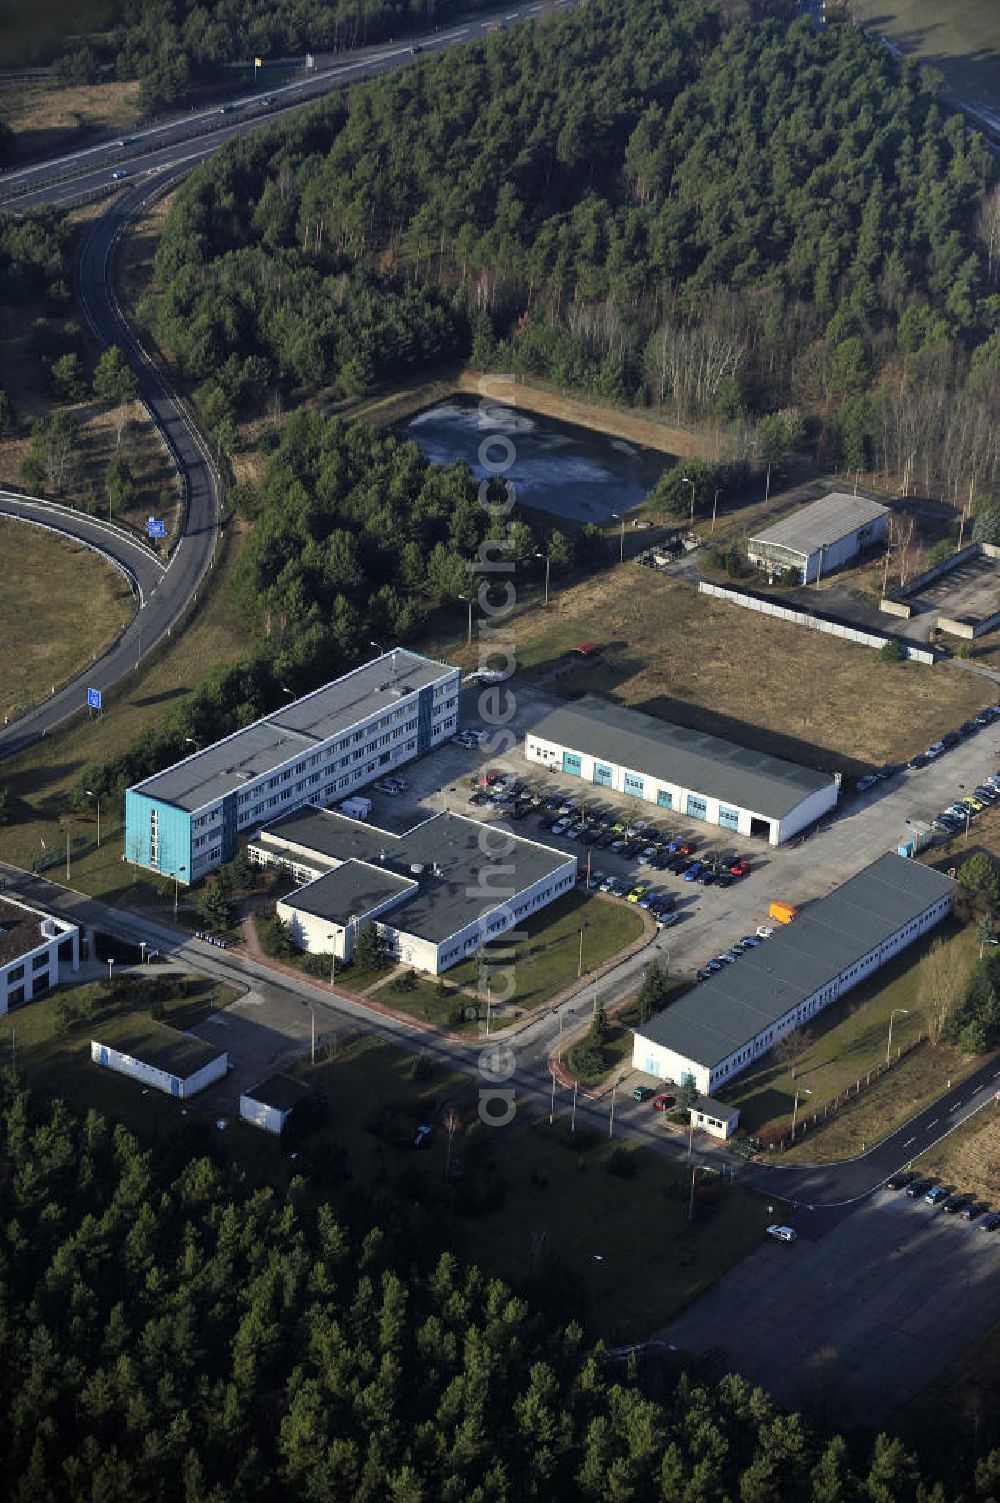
858, 1317
710, 919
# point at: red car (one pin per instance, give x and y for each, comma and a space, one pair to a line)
740, 868
663, 1103
684, 849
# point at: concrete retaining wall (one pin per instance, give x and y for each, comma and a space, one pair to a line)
828, 624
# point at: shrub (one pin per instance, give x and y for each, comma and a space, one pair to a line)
623, 1163
892, 652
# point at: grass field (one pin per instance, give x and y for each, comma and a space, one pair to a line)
46, 638
547, 958
969, 1158
39, 780
563, 1208
960, 37
847, 1040
715, 667
48, 116
59, 1065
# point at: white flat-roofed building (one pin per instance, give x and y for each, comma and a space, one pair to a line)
437, 893
672, 767
164, 1058
186, 820
820, 537
719, 1028
37, 950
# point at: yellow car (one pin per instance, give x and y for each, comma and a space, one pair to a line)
977, 804
637, 893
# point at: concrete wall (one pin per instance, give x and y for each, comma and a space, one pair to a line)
807, 618
970, 627
182, 1089
919, 581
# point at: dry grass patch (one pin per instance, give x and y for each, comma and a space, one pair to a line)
45, 116
69, 604
39, 780
970, 1156
786, 690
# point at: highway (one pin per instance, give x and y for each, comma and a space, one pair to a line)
162, 599
76, 177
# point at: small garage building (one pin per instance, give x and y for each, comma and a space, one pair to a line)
270, 1104
163, 1058
676, 768
715, 1031
820, 537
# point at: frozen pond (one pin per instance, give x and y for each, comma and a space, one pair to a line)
559, 468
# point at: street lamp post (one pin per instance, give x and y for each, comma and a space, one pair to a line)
621, 549
691, 483
91, 794
333, 957
901, 1012
802, 1091
611, 1119
468, 602
552, 1100
190, 741
142, 950
715, 506
177, 888
579, 964
572, 1120
69, 844
548, 564
111, 967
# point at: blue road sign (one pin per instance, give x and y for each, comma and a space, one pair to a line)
156, 528
93, 699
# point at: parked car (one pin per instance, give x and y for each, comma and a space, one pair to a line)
972, 1210
707, 877
901, 1180
639, 891
663, 1103
920, 760
870, 780
955, 1203
918, 1187
694, 871
750, 941
990, 1223
643, 1093
935, 1195
764, 931
783, 1233
740, 868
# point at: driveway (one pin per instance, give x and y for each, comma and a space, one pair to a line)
855, 1319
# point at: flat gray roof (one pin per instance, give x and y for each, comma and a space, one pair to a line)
820, 523
281, 1092
461, 878
349, 891
294, 730
160, 1046
713, 1020
753, 780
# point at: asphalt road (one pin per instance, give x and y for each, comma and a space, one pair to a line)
188, 139
162, 600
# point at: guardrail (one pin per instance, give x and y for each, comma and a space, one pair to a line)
124, 534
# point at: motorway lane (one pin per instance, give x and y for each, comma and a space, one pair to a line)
190, 138
130, 554
192, 557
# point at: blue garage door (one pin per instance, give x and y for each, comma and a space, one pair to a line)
696, 807
602, 774
729, 817
633, 783
665, 799
571, 763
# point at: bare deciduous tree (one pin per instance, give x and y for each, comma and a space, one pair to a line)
942, 987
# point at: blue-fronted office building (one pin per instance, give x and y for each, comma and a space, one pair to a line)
187, 820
